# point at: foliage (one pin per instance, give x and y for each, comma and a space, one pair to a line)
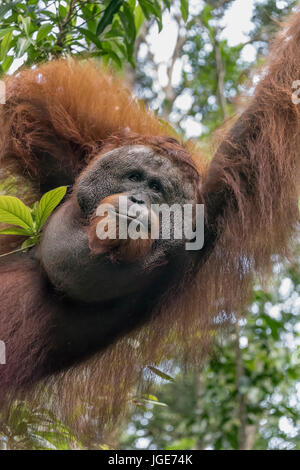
36, 429
37, 30
266, 18
28, 221
246, 397
205, 69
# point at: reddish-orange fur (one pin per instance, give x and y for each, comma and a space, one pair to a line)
73, 111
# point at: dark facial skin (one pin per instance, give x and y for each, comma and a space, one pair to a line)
137, 171
146, 178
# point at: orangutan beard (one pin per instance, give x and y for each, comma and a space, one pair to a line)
119, 249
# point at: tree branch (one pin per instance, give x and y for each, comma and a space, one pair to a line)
220, 69
168, 89
63, 27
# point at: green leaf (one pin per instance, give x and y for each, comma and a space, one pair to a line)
184, 8
131, 4
167, 3
26, 22
5, 45
15, 231
62, 11
48, 203
152, 8
107, 50
114, 32
114, 57
128, 23
7, 63
14, 212
91, 36
152, 402
5, 8
3, 32
113, 7
50, 15
139, 18
206, 15
34, 209
161, 374
22, 46
44, 31
29, 243
150, 397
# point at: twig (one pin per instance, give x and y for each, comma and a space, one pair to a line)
63, 26
16, 251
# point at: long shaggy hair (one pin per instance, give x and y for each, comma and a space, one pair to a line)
58, 117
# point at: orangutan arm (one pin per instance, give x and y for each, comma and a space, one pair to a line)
251, 186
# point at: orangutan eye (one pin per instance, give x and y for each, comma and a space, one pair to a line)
155, 186
135, 176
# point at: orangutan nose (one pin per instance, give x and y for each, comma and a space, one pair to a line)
137, 199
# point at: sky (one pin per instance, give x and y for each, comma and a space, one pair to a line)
238, 21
